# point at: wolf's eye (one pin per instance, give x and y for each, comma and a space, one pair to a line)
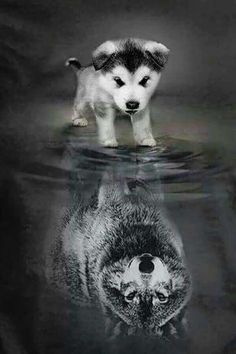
144, 81
162, 298
119, 82
130, 296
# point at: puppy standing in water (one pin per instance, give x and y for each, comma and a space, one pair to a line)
124, 75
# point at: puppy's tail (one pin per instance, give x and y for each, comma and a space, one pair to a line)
74, 63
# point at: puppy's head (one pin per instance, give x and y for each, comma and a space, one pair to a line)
130, 71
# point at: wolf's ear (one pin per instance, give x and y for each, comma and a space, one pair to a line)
103, 54
157, 53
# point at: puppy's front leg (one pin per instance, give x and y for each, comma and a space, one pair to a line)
142, 128
78, 115
105, 116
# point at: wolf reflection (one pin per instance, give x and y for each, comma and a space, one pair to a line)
122, 252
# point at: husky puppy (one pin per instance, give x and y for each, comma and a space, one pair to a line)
124, 75
123, 254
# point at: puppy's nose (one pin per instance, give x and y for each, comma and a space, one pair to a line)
132, 104
146, 265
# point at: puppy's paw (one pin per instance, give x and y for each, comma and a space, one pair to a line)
148, 142
109, 143
80, 122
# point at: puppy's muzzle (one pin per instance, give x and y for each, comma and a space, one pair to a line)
132, 107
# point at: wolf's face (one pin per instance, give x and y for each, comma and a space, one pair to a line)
146, 291
130, 71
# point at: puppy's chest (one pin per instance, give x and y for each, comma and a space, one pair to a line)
99, 96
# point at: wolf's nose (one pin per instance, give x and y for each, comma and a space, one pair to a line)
132, 104
146, 265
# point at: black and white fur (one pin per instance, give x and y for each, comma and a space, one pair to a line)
123, 253
124, 76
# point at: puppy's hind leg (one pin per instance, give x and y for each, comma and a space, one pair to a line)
78, 115
78, 118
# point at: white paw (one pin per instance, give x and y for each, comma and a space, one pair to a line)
148, 142
80, 122
109, 143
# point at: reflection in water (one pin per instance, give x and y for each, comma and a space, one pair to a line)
120, 250
189, 182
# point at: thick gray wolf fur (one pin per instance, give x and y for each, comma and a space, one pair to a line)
123, 254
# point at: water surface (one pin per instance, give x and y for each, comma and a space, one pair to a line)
196, 183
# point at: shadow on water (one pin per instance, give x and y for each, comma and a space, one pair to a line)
117, 270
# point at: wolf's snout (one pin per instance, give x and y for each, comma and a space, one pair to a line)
146, 264
132, 105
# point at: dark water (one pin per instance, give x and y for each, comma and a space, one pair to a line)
196, 187
48, 168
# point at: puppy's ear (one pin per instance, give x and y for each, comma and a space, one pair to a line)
103, 55
157, 53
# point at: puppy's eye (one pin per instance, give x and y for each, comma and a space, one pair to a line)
130, 296
144, 81
119, 82
162, 298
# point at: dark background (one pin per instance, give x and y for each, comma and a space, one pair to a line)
195, 103
38, 36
